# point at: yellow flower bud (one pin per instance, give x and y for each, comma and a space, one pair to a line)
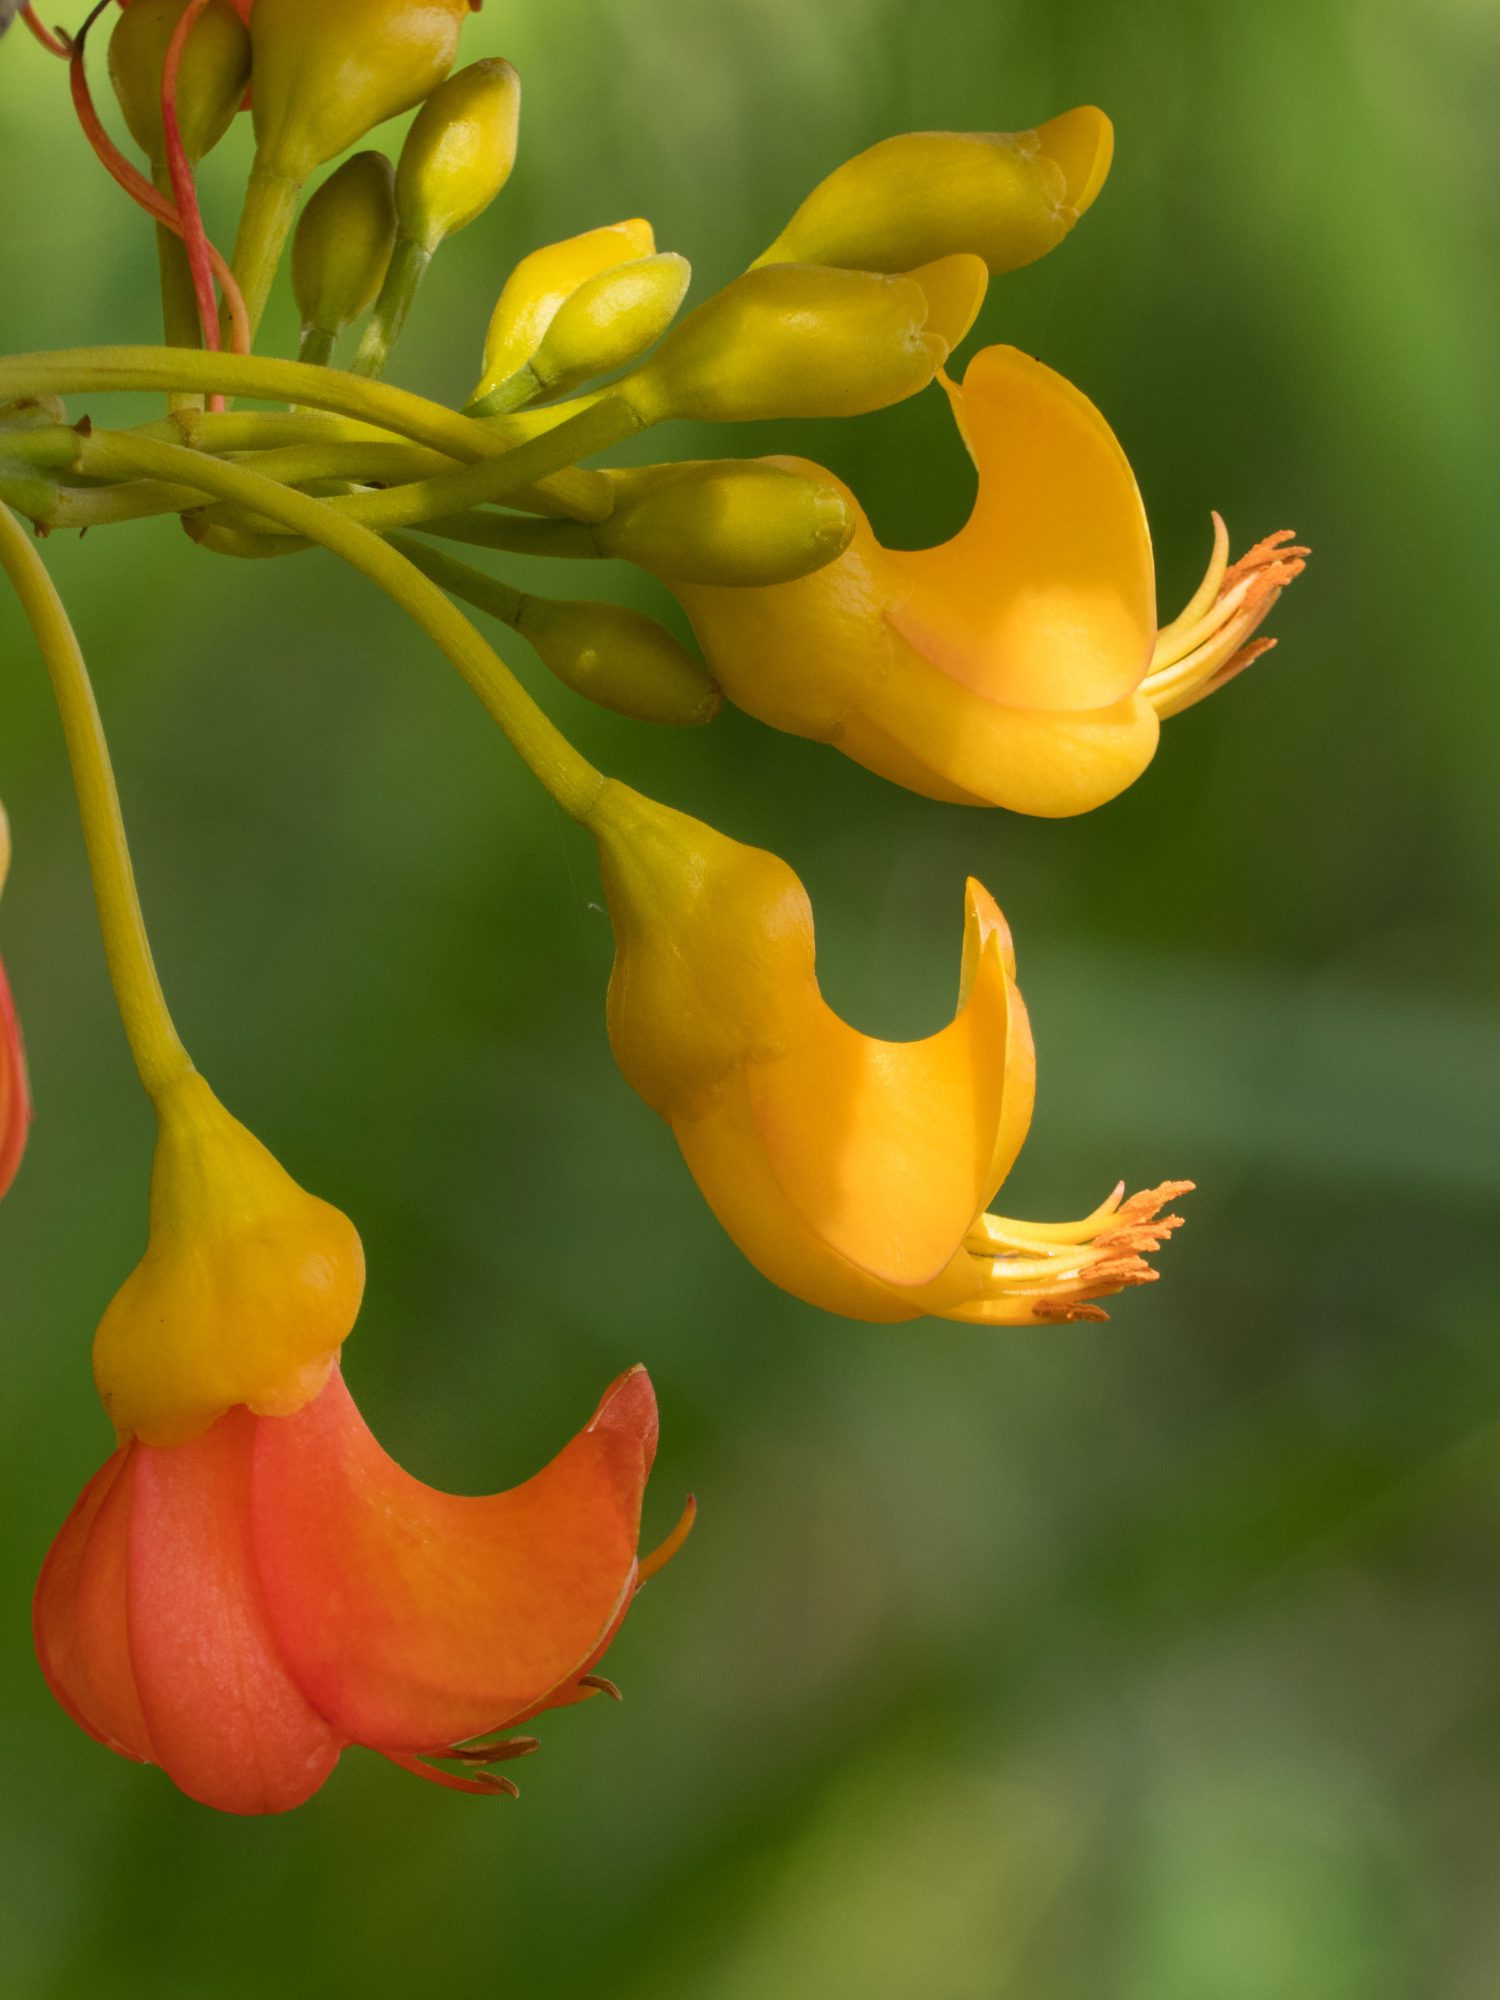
247, 1290
797, 340
343, 243
610, 319
459, 152
714, 958
725, 521
621, 659
1008, 197
328, 71
210, 83
540, 284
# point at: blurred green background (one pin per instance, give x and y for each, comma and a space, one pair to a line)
1153, 1661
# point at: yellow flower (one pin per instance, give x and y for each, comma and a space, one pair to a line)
1019, 664
853, 1172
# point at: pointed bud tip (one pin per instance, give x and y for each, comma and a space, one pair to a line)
1081, 143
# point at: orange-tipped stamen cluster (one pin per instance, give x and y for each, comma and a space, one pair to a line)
1046, 1272
1210, 641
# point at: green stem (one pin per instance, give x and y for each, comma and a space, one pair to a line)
485, 593
154, 1042
315, 349
571, 539
265, 220
404, 274
585, 495
540, 458
566, 774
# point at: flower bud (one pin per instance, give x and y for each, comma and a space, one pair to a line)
610, 319
797, 340
713, 950
211, 81
343, 243
459, 152
539, 285
725, 521
328, 71
247, 1290
1008, 197
621, 659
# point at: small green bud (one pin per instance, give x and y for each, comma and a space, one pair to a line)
725, 521
610, 319
343, 243
459, 152
211, 81
621, 659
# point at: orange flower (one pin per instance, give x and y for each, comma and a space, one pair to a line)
15, 1095
853, 1172
240, 1608
1019, 664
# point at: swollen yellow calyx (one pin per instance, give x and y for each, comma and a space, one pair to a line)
248, 1288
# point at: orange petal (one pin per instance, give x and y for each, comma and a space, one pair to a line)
885, 1148
1046, 598
228, 1723
414, 1618
79, 1616
15, 1096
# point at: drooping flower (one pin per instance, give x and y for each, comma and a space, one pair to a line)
1019, 664
250, 1584
15, 1093
853, 1172
242, 1607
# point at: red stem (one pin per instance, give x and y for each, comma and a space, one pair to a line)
140, 189
54, 44
183, 191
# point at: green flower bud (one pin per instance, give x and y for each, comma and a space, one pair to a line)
211, 80
343, 243
610, 319
621, 659
798, 340
459, 152
725, 521
328, 71
1006, 196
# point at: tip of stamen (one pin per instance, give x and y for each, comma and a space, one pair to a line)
601, 1686
1063, 1312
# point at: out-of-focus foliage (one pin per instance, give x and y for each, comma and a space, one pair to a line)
1156, 1660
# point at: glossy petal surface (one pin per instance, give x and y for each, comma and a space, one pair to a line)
415, 1618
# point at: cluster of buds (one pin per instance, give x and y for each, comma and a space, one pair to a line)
250, 1584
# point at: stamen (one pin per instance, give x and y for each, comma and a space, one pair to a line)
1167, 646
184, 193
56, 44
1069, 1264
600, 1685
1204, 647
486, 1783
501, 1751
660, 1556
140, 189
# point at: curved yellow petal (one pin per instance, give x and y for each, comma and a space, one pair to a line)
1081, 143
985, 930
1046, 598
886, 1148
932, 734
726, 1157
